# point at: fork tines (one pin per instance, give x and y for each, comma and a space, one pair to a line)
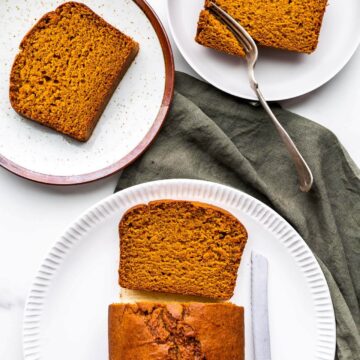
239, 32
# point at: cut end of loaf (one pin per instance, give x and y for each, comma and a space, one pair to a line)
173, 331
68, 67
180, 247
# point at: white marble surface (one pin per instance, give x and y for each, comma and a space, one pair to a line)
33, 215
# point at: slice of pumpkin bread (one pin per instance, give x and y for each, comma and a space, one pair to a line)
180, 247
286, 24
69, 65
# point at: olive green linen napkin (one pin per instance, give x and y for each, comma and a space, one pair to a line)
213, 136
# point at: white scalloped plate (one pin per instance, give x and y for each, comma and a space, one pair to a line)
66, 311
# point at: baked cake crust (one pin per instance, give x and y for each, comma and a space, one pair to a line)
171, 331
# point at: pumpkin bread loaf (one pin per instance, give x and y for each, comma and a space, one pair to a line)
176, 331
68, 67
285, 24
180, 247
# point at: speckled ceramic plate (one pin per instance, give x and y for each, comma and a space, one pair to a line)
129, 123
281, 74
66, 311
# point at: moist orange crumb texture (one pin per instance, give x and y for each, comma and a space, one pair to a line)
174, 331
68, 67
180, 247
286, 24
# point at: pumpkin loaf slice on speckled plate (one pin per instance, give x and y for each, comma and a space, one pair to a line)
69, 65
181, 247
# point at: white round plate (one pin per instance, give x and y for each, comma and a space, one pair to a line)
66, 311
130, 121
281, 74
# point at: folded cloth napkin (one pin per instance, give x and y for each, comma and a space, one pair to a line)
213, 136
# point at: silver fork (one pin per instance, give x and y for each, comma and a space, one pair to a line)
251, 51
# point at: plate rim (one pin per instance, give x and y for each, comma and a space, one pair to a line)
94, 215
296, 94
147, 140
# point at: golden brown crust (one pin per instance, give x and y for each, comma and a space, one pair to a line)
180, 247
55, 89
291, 25
188, 331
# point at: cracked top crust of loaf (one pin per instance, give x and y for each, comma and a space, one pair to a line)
172, 331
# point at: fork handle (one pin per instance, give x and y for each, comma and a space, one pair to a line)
304, 173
